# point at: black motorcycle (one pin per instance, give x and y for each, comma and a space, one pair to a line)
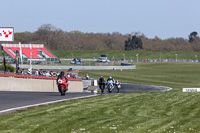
102, 86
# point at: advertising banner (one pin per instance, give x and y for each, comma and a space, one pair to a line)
6, 34
191, 89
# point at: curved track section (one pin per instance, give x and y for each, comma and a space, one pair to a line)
137, 88
12, 100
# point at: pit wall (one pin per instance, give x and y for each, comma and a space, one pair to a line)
36, 85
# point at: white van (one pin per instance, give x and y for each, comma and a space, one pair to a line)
103, 58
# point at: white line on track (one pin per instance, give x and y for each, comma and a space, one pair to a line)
51, 102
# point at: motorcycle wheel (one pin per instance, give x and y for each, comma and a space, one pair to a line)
62, 90
102, 89
109, 88
117, 90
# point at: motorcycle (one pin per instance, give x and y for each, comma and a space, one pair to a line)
118, 85
110, 86
102, 86
62, 86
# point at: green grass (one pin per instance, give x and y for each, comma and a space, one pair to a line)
139, 112
174, 75
128, 54
172, 111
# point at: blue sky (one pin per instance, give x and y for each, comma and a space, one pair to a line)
162, 18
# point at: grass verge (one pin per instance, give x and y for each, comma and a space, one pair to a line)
139, 112
128, 54
172, 111
174, 75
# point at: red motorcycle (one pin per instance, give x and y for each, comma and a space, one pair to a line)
62, 86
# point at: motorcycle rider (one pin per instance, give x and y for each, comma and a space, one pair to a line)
61, 76
101, 80
118, 81
102, 84
110, 78
110, 84
62, 83
118, 85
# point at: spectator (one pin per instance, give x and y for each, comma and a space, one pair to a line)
18, 71
47, 74
41, 72
54, 74
71, 75
22, 72
29, 72
37, 72
51, 73
57, 73
75, 76
87, 77
44, 73
68, 75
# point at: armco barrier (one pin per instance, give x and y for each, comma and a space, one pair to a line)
14, 82
78, 67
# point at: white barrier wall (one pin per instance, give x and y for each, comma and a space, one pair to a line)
39, 85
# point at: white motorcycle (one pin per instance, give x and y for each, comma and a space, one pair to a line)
110, 86
118, 85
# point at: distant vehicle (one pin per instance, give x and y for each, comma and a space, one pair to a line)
70, 69
77, 61
103, 58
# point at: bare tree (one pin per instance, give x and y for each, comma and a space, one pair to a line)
55, 38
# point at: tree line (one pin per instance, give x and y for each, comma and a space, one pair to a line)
55, 38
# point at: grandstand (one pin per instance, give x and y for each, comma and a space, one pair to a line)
39, 52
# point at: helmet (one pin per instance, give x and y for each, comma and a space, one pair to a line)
110, 77
101, 77
62, 73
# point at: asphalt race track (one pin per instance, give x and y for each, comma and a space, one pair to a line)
138, 88
16, 100
12, 100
